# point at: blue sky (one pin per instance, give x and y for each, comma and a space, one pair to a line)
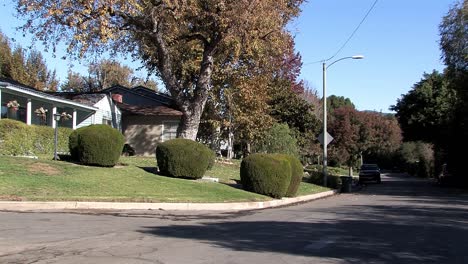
399, 40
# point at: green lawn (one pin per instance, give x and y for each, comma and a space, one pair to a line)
132, 180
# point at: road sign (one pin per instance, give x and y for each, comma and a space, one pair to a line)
329, 138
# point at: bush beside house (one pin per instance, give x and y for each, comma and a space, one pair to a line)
99, 145
17, 138
184, 158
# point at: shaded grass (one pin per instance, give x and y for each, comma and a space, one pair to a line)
227, 173
307, 188
48, 180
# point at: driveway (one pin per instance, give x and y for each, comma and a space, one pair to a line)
402, 220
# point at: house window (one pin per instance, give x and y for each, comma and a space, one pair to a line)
169, 130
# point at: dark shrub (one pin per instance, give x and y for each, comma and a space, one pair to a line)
334, 181
99, 145
128, 150
266, 174
73, 144
316, 177
183, 158
297, 172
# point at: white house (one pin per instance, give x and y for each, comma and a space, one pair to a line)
144, 117
84, 109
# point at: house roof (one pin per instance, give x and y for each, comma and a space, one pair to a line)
21, 89
152, 93
148, 110
143, 92
87, 99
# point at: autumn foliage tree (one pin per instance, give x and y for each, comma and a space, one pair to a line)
288, 104
362, 132
182, 42
103, 74
28, 68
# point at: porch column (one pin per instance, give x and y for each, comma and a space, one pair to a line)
74, 119
28, 112
54, 111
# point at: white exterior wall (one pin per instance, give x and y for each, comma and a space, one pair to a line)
88, 121
104, 112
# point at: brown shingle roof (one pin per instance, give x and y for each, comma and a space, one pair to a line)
87, 99
148, 110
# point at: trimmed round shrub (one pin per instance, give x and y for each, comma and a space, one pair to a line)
183, 158
99, 145
73, 144
297, 172
266, 174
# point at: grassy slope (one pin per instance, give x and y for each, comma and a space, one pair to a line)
44, 179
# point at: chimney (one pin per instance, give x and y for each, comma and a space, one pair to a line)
117, 98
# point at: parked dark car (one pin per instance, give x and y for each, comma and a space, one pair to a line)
369, 172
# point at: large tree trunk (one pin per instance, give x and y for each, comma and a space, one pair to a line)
192, 107
190, 121
191, 100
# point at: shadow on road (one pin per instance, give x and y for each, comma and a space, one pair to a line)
401, 232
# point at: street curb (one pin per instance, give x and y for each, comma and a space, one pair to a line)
242, 206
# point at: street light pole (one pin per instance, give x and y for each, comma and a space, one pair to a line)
325, 133
57, 119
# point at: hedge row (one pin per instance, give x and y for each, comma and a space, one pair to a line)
17, 138
275, 175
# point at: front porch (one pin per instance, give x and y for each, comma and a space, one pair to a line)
29, 104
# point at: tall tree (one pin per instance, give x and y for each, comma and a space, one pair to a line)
362, 132
74, 83
5, 56
334, 102
106, 73
454, 38
17, 66
454, 45
424, 113
27, 68
38, 76
103, 74
311, 96
181, 41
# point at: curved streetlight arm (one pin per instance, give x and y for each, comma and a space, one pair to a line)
356, 57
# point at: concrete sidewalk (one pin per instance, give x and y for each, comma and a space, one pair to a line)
241, 206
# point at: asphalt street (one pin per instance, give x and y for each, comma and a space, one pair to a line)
402, 220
